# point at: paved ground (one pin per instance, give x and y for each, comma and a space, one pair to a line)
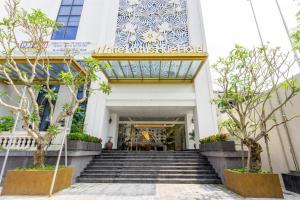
84, 191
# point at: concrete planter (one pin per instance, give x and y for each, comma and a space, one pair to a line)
217, 146
83, 146
32, 182
253, 185
292, 181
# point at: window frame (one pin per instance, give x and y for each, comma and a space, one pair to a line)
71, 35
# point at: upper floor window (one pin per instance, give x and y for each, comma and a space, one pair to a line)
68, 15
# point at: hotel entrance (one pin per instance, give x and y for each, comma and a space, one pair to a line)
151, 134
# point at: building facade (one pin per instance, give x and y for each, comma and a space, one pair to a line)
160, 77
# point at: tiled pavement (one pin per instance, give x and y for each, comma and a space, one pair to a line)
102, 191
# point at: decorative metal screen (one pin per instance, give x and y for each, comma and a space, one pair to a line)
152, 23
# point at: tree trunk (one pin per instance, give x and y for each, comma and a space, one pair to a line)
39, 156
243, 155
255, 151
268, 154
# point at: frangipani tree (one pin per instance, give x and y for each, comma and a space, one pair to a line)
296, 34
248, 79
36, 27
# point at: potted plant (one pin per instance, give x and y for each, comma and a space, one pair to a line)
249, 79
83, 142
109, 144
193, 137
218, 142
37, 28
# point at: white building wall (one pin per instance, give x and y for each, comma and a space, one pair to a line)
206, 122
151, 95
97, 26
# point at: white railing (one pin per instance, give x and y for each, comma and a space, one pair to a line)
19, 141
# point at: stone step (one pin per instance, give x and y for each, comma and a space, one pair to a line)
150, 171
148, 180
151, 160
150, 153
149, 164
154, 153
148, 156
149, 167
170, 176
208, 167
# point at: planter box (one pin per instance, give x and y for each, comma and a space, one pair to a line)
292, 181
83, 146
217, 146
253, 185
32, 182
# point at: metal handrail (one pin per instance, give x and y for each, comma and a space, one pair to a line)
64, 142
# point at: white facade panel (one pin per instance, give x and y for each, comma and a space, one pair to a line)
97, 28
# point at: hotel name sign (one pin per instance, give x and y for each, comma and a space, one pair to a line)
85, 47
150, 49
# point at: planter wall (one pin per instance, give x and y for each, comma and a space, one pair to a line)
77, 159
83, 146
221, 160
253, 185
292, 181
217, 146
22, 182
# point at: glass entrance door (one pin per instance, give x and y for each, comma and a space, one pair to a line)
151, 137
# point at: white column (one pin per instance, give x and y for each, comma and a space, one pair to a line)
64, 96
206, 119
189, 127
113, 129
97, 114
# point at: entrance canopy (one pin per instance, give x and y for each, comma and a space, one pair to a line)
58, 64
151, 67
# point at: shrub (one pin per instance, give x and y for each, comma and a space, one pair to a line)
215, 138
6, 123
83, 137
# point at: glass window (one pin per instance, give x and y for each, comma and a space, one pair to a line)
59, 34
78, 2
42, 101
74, 21
76, 10
67, 2
71, 33
65, 10
69, 15
63, 20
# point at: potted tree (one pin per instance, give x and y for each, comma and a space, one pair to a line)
33, 69
248, 79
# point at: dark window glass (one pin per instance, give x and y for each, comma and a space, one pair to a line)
69, 16
45, 108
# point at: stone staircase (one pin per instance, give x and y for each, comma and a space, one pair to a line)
185, 167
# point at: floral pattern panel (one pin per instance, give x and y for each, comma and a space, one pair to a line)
152, 23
